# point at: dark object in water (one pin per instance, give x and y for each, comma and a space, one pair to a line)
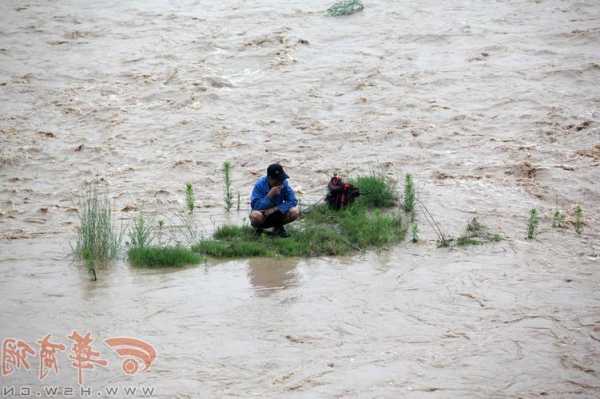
345, 7
340, 194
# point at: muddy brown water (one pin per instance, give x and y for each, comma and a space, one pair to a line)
492, 106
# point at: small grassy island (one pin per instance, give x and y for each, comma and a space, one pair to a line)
371, 221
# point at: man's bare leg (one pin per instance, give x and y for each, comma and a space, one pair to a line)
257, 219
291, 215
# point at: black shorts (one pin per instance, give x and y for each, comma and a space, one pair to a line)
273, 220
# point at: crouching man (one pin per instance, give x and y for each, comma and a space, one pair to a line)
273, 202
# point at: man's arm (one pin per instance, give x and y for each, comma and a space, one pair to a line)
290, 199
259, 199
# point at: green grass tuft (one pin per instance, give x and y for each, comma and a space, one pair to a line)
142, 254
313, 240
375, 191
190, 201
232, 248
477, 234
371, 229
241, 241
229, 232
558, 219
162, 256
96, 239
414, 230
532, 224
409, 195
227, 185
140, 233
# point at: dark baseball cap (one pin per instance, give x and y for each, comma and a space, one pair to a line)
275, 171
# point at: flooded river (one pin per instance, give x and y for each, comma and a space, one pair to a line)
494, 107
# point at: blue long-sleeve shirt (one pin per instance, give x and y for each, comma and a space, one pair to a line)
284, 201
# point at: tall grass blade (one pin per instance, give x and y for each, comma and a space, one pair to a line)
96, 241
227, 184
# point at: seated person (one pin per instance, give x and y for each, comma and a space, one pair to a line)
273, 202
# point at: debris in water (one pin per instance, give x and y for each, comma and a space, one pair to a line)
49, 135
473, 297
578, 219
593, 152
294, 339
129, 208
566, 167
476, 233
183, 162
161, 192
525, 170
583, 125
218, 82
345, 7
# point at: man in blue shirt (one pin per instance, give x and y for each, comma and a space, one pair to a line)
273, 202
